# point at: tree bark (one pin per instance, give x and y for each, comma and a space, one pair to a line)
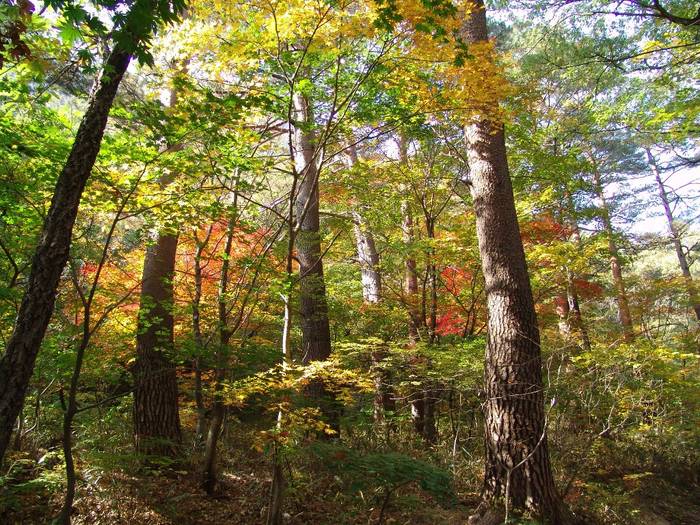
369, 260
410, 271
156, 410
367, 254
561, 305
156, 415
51, 254
675, 236
623, 308
313, 311
221, 356
571, 293
312, 290
198, 339
576, 318
517, 467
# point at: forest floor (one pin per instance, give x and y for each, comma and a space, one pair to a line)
109, 494
174, 497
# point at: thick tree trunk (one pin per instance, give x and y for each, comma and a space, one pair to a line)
156, 408
156, 415
675, 236
51, 254
623, 308
313, 312
423, 413
517, 466
312, 289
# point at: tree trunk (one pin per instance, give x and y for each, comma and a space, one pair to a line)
219, 409
156, 416
64, 517
369, 260
51, 254
576, 318
517, 467
675, 236
366, 249
384, 399
198, 340
561, 305
432, 276
571, 293
312, 289
623, 308
313, 313
410, 272
156, 409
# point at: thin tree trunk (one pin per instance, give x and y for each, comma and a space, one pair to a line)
17, 445
51, 254
571, 293
64, 517
675, 236
517, 467
366, 249
623, 308
198, 340
274, 511
561, 305
384, 401
575, 310
410, 271
432, 276
219, 409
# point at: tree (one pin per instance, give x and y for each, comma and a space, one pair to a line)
156, 412
131, 36
517, 467
674, 234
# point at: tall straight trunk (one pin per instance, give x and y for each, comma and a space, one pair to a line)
367, 254
675, 236
369, 260
312, 289
410, 270
623, 308
576, 318
156, 415
313, 311
561, 305
198, 339
432, 277
156, 409
51, 254
517, 467
221, 356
